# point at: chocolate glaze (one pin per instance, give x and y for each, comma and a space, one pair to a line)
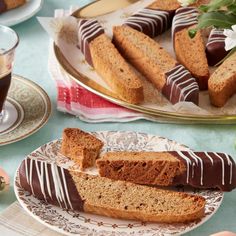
215, 48
207, 170
87, 31
184, 18
180, 86
3, 6
151, 22
51, 183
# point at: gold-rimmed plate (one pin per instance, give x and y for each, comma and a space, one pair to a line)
179, 113
34, 112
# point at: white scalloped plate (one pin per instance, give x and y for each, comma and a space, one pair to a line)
80, 223
22, 13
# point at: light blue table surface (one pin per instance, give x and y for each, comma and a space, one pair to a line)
31, 62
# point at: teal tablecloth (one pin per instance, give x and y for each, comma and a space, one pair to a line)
31, 62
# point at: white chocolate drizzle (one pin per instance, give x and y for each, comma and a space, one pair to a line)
223, 167
157, 21
87, 31
216, 36
197, 160
180, 78
59, 181
184, 17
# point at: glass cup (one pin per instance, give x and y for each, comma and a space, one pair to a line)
8, 43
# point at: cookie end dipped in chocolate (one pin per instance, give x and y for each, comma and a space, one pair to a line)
88, 30
207, 170
3, 6
51, 183
151, 22
215, 48
180, 86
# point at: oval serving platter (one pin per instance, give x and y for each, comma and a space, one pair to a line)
80, 223
215, 115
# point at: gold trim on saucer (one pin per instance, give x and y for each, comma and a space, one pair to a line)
159, 115
36, 106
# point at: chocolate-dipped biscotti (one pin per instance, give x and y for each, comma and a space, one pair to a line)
190, 51
6, 5
100, 53
215, 48
103, 196
197, 169
81, 147
222, 83
155, 19
156, 64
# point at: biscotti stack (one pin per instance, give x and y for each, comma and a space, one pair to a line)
197, 169
103, 196
156, 64
215, 47
222, 83
190, 51
6, 5
81, 147
100, 53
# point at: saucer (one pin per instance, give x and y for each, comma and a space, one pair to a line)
27, 109
13, 115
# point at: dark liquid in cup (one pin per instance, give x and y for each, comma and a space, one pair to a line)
5, 82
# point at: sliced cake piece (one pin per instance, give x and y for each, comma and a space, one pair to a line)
109, 64
148, 57
215, 48
197, 169
155, 19
190, 51
6, 5
103, 196
115, 70
81, 147
222, 83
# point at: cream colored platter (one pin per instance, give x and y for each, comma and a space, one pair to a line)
33, 108
80, 223
110, 13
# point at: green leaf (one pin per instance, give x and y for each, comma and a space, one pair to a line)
216, 5
232, 9
217, 19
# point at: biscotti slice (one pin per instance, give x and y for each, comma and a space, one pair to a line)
215, 48
100, 53
6, 5
190, 51
153, 20
81, 147
149, 58
102, 196
167, 5
222, 83
197, 169
173, 5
